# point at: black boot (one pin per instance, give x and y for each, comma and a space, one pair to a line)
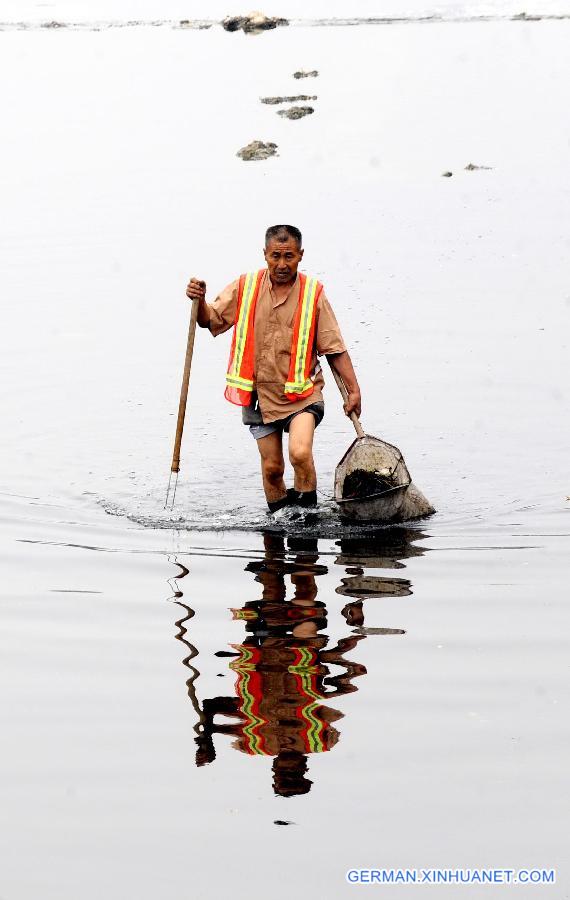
302, 498
274, 505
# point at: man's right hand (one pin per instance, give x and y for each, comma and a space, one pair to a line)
196, 289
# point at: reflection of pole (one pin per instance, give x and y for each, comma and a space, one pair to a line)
181, 636
190, 684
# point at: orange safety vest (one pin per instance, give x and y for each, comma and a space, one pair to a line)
241, 366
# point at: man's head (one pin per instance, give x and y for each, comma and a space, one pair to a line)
283, 252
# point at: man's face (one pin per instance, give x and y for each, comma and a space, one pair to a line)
283, 258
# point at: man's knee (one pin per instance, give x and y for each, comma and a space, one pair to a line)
273, 469
301, 455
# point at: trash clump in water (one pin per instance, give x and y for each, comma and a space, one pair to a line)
360, 484
296, 112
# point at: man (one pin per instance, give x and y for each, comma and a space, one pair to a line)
282, 320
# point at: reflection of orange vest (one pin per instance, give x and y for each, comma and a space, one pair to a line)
241, 366
250, 690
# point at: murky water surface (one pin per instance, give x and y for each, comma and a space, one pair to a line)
175, 685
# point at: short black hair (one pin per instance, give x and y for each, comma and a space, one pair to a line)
282, 233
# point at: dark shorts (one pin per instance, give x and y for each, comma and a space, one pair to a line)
260, 430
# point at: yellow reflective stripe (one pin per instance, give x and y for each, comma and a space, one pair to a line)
241, 332
244, 666
243, 383
294, 388
308, 303
315, 726
254, 740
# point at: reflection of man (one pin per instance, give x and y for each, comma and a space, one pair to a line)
282, 675
282, 319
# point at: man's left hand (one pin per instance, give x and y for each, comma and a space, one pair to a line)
353, 403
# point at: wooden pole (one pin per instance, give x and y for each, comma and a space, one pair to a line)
353, 417
175, 466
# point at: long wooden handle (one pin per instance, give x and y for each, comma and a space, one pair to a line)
353, 417
175, 467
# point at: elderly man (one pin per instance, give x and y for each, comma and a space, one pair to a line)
282, 320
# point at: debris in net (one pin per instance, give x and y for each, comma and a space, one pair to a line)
274, 101
253, 23
446, 174
360, 484
296, 112
471, 167
257, 150
302, 74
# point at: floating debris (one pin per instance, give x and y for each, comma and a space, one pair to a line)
257, 150
253, 23
471, 167
360, 484
282, 822
302, 74
53, 25
446, 174
274, 101
296, 112
192, 23
362, 629
524, 17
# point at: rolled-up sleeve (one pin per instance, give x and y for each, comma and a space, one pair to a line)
329, 337
222, 311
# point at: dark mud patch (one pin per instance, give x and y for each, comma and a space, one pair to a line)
296, 112
254, 23
257, 150
360, 484
275, 101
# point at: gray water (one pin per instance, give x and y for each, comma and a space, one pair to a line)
119, 179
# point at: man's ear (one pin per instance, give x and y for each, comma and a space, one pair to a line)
301, 251
265, 253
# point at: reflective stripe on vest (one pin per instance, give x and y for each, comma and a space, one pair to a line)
299, 384
249, 689
305, 675
239, 379
241, 367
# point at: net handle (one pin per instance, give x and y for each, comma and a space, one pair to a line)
353, 417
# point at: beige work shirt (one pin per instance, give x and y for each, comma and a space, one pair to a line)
274, 320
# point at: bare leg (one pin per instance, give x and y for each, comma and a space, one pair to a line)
272, 465
301, 433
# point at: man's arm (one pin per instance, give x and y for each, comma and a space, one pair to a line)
218, 316
342, 364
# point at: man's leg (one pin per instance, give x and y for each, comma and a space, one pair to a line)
272, 466
301, 433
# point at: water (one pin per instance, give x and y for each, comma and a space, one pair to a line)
441, 644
